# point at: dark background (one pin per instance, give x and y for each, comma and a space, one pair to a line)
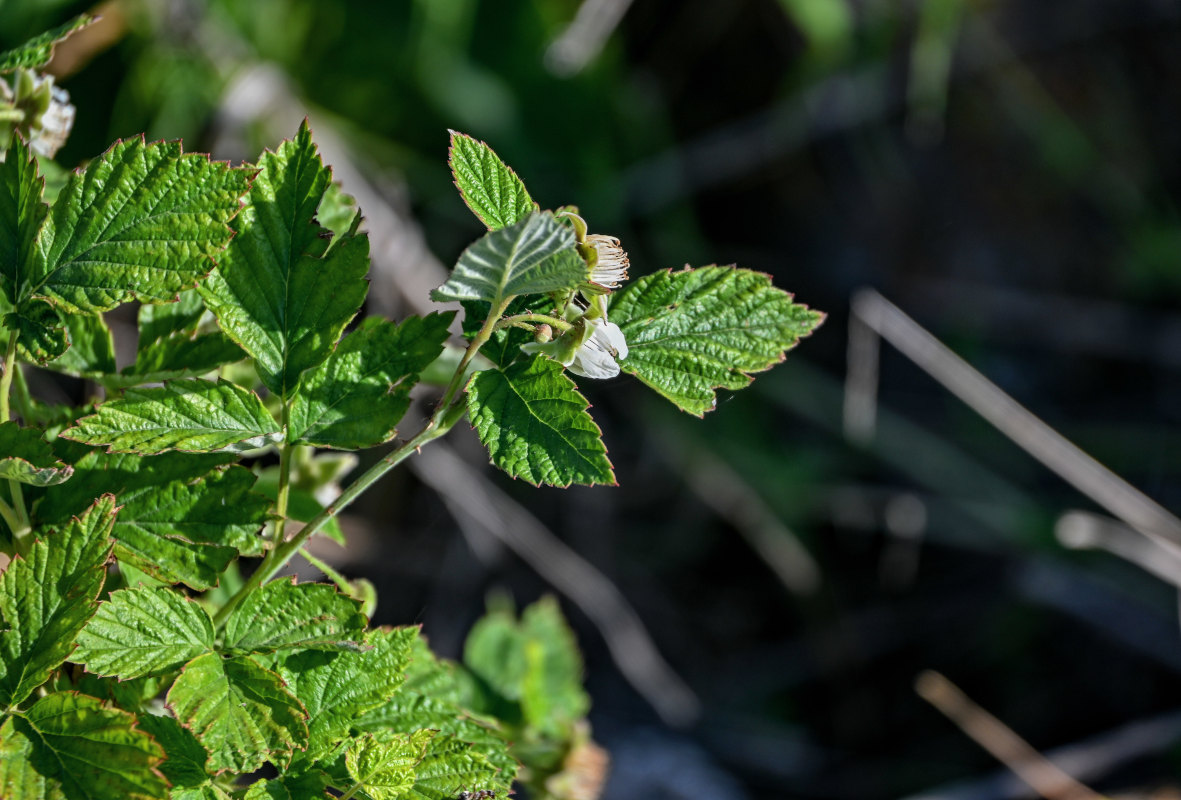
1021, 204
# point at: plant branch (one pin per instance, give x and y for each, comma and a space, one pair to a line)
17, 517
438, 425
556, 322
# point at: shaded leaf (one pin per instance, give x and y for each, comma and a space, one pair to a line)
279, 290
173, 343
22, 213
535, 424
356, 398
691, 332
240, 712
69, 747
182, 519
190, 415
27, 458
92, 350
184, 765
47, 598
40, 329
491, 189
516, 260
141, 632
37, 52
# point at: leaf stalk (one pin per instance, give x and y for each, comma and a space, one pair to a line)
439, 424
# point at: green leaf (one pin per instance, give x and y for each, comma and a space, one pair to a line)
535, 662
21, 216
92, 350
283, 614
173, 343
336, 688
279, 291
184, 766
69, 747
535, 424
182, 519
37, 52
491, 190
386, 768
516, 260
41, 331
190, 415
27, 458
141, 632
302, 786
140, 220
409, 711
356, 398
552, 696
697, 330
47, 598
450, 767
239, 711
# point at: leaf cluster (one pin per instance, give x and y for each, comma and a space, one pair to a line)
136, 661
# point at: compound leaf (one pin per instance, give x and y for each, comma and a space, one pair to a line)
356, 398
337, 687
37, 52
27, 458
240, 712
491, 189
279, 291
141, 632
67, 746
47, 598
535, 424
691, 332
189, 414
517, 260
140, 220
283, 614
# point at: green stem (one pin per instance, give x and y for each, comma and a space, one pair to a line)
322, 565
6, 378
284, 472
12, 115
438, 425
9, 516
561, 324
356, 787
19, 523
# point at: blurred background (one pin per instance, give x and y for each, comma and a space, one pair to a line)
756, 598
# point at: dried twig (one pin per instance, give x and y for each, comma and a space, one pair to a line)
1043, 776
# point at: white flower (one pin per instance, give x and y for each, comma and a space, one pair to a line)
596, 356
52, 129
610, 269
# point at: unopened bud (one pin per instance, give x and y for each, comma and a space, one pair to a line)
543, 333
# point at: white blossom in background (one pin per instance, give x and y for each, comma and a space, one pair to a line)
597, 356
611, 268
53, 128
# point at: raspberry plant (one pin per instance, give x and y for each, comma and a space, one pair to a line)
135, 661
